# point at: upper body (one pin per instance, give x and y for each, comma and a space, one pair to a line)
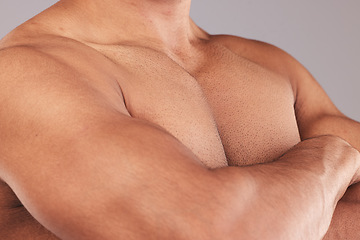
69, 91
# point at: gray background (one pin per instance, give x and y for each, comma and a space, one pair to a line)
324, 35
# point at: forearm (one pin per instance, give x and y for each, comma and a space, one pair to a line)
346, 222
294, 197
182, 200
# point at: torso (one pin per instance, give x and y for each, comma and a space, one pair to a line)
227, 107
229, 110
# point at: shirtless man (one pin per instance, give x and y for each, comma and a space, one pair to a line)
121, 119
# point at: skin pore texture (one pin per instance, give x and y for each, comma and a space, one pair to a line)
124, 120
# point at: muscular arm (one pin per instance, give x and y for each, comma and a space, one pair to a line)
85, 169
317, 116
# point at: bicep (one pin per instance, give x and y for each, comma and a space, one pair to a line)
315, 112
317, 115
108, 175
79, 165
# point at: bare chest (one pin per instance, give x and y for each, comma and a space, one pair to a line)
229, 111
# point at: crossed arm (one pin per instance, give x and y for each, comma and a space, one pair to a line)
346, 221
82, 165
316, 116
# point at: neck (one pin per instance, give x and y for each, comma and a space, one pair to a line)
160, 24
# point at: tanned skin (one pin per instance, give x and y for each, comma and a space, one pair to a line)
124, 120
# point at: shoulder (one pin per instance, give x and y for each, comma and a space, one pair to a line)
27, 68
47, 58
36, 77
34, 87
23, 50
